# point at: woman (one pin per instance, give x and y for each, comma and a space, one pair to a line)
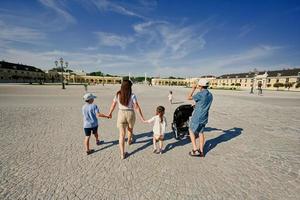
127, 102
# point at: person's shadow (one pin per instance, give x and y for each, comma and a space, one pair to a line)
184, 140
136, 139
226, 136
210, 144
148, 142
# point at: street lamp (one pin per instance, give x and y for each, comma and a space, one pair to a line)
61, 60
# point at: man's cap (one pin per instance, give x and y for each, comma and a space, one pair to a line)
203, 82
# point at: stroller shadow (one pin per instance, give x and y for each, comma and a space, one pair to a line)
226, 136
181, 142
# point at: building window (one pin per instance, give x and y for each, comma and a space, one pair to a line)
240, 80
16, 72
269, 80
1, 77
8, 71
245, 80
277, 80
287, 80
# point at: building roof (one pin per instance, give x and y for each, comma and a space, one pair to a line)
240, 75
15, 66
208, 76
284, 72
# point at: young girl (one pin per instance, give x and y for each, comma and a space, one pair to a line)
159, 126
170, 96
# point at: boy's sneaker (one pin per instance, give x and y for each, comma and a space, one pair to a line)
90, 151
98, 142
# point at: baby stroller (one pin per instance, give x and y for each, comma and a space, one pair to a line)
180, 125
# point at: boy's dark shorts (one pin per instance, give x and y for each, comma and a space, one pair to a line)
88, 131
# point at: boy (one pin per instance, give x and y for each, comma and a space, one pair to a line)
90, 113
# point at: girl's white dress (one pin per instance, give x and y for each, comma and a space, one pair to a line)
159, 128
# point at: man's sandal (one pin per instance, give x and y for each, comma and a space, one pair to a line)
194, 154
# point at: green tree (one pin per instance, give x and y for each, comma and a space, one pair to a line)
99, 73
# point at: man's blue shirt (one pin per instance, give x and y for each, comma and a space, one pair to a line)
203, 101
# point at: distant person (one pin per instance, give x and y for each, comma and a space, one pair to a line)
259, 88
127, 102
251, 90
159, 127
85, 87
170, 97
199, 119
90, 113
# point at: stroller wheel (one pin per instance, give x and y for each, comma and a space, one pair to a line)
175, 132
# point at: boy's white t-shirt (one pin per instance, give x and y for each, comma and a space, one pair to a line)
130, 105
159, 128
170, 96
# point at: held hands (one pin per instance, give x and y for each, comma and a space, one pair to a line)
142, 119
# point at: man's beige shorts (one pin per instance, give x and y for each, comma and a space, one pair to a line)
126, 118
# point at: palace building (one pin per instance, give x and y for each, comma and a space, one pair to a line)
19, 73
288, 78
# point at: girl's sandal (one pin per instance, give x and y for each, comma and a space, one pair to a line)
194, 154
124, 156
201, 154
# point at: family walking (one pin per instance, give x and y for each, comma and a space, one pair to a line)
128, 105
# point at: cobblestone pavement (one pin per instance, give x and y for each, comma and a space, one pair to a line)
253, 148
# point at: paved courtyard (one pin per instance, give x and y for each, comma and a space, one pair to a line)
252, 147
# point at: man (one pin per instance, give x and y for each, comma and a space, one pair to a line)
199, 119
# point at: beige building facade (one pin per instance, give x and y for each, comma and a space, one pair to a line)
289, 78
80, 78
73, 78
179, 82
19, 73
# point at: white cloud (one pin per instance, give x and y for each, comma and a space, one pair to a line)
110, 39
13, 33
122, 64
106, 5
218, 65
246, 29
58, 7
165, 41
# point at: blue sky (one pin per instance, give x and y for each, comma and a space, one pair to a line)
159, 37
